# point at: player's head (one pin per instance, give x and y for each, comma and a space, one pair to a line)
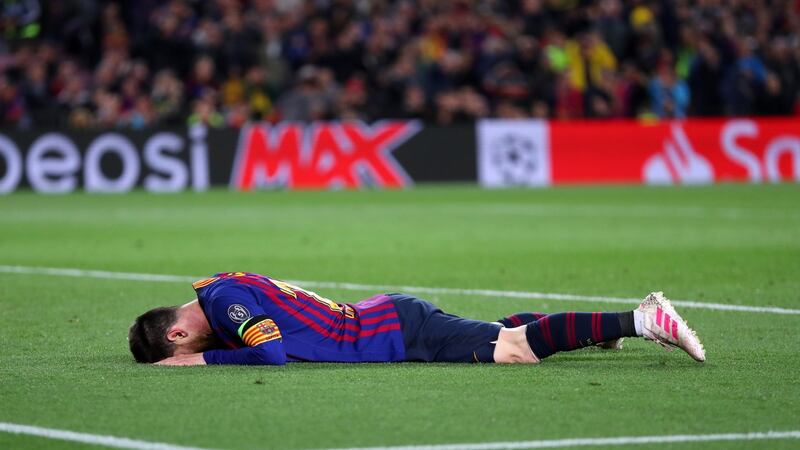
147, 336
168, 331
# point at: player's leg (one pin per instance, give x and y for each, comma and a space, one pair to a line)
524, 318
655, 319
442, 337
431, 335
568, 331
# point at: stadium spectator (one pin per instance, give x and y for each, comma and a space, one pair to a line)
705, 72
669, 95
111, 63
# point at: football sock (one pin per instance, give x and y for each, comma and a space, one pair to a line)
573, 330
520, 319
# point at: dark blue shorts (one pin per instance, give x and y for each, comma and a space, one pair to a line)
431, 335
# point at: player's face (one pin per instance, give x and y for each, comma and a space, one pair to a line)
191, 332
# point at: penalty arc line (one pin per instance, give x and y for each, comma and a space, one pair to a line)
494, 293
88, 438
118, 442
591, 442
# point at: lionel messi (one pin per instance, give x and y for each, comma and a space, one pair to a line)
250, 319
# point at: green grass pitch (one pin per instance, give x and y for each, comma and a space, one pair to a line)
64, 361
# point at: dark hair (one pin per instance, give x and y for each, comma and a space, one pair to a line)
147, 336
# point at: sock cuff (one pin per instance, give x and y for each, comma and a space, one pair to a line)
506, 322
538, 347
626, 323
530, 335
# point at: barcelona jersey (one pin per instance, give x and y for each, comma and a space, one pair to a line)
267, 321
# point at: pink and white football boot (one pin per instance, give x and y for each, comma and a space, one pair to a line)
665, 326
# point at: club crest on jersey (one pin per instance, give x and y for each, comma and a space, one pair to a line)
267, 327
238, 313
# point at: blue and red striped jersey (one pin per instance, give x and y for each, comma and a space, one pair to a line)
287, 323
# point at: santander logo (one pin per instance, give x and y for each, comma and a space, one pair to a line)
763, 165
678, 162
739, 149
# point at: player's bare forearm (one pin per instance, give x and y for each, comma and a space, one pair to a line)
192, 359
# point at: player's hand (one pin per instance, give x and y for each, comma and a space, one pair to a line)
193, 359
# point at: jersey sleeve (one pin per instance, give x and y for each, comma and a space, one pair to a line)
240, 315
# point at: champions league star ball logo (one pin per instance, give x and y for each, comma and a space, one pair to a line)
513, 153
238, 313
515, 157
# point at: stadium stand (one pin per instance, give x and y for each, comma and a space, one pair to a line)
91, 63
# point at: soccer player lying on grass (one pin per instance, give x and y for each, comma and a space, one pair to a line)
244, 318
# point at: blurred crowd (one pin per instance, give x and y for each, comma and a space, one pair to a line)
94, 63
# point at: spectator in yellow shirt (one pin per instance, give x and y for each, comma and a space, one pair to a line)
588, 58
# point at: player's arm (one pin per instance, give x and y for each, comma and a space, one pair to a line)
239, 313
264, 345
241, 317
191, 359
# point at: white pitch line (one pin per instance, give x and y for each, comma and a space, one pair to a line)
84, 273
591, 442
119, 442
87, 438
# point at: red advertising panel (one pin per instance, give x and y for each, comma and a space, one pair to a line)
323, 155
691, 151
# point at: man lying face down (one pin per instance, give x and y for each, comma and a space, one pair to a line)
246, 318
